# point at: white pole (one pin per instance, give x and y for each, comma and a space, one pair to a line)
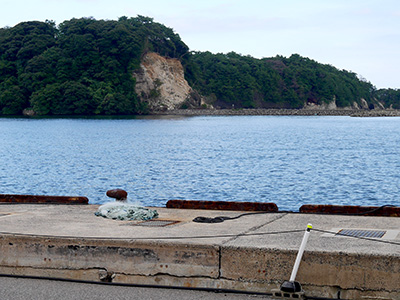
300, 253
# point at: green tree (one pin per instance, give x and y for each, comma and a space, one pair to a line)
85, 66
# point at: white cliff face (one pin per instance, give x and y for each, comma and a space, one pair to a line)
324, 106
364, 103
332, 105
161, 83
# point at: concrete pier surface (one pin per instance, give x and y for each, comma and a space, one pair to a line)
253, 253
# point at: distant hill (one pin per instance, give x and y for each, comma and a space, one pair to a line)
86, 66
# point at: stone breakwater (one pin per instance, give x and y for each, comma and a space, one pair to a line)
281, 112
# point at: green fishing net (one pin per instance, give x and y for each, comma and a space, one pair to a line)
125, 212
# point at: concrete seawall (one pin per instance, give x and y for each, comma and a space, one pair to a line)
253, 253
282, 112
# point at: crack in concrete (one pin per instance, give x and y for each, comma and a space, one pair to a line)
165, 274
280, 216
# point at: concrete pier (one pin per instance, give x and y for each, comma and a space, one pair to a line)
253, 253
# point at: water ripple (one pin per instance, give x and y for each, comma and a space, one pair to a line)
287, 160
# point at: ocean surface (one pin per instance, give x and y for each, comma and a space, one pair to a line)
287, 160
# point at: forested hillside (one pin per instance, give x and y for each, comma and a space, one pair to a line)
85, 66
277, 82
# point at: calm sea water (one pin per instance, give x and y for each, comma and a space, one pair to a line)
287, 160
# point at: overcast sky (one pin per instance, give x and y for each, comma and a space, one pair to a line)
362, 36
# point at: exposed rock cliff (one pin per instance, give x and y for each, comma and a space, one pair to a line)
161, 83
332, 105
312, 106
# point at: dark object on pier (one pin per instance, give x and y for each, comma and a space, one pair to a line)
385, 210
118, 194
36, 199
291, 287
222, 205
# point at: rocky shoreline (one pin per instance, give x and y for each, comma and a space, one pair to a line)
281, 112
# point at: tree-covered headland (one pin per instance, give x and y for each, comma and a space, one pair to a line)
85, 66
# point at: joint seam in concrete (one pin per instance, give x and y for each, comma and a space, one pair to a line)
219, 262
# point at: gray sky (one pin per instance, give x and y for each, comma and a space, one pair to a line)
361, 36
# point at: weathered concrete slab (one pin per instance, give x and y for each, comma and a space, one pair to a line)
115, 256
320, 241
332, 265
75, 222
71, 242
